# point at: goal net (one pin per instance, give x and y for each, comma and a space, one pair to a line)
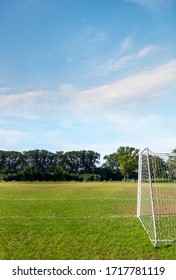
156, 207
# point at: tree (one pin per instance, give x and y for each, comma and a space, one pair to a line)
11, 164
81, 162
128, 161
110, 169
90, 160
172, 166
157, 167
38, 164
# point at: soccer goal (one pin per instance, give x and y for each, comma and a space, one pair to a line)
156, 206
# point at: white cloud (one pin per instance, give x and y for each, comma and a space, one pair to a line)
3, 89
36, 104
113, 65
20, 105
118, 64
66, 89
146, 84
147, 50
114, 105
125, 61
103, 102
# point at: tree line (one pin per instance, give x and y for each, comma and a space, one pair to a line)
43, 165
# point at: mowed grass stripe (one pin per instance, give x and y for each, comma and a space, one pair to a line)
66, 190
67, 208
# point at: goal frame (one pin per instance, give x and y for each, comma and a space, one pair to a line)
152, 199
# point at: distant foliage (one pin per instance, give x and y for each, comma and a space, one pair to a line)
43, 165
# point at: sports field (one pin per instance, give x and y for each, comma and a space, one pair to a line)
74, 221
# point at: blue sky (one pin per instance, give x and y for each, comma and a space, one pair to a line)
87, 74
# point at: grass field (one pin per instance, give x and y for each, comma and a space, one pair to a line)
74, 221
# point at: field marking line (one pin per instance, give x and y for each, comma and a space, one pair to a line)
69, 198
68, 218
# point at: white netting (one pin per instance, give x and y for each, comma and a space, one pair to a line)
157, 195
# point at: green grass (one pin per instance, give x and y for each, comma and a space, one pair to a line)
73, 221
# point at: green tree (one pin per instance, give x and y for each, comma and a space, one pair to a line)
38, 164
110, 169
128, 161
158, 168
172, 166
11, 164
81, 162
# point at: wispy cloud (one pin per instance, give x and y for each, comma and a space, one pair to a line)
127, 43
146, 84
147, 50
113, 65
21, 104
88, 103
125, 61
66, 89
4, 89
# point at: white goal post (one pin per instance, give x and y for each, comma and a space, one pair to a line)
156, 206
